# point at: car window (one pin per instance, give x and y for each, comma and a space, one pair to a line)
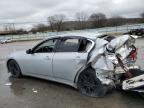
68, 45
84, 45
74, 45
46, 47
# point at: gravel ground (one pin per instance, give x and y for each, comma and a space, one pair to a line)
36, 93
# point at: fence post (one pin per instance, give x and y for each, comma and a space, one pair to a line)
116, 29
27, 36
127, 28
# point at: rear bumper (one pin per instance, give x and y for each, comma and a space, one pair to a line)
134, 84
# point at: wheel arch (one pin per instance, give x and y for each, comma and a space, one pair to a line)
10, 59
79, 72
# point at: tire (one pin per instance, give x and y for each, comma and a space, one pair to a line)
142, 95
14, 69
89, 85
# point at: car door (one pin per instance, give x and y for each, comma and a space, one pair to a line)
40, 61
70, 56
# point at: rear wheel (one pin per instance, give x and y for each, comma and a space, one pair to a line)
142, 94
88, 84
14, 69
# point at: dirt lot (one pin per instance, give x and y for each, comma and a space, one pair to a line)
36, 93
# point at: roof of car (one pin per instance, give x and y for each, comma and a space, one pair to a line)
88, 35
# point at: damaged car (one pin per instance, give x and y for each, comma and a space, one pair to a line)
92, 63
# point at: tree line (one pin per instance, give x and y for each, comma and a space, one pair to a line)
83, 21
59, 22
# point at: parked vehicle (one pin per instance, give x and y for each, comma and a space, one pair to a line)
138, 32
88, 62
5, 40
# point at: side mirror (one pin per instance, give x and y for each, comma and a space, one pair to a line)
29, 51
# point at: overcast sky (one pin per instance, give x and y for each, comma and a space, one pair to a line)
39, 10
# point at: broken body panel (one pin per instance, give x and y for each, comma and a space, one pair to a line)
108, 67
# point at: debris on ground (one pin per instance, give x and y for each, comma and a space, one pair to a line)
8, 84
34, 91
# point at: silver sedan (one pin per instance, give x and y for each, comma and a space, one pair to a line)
76, 60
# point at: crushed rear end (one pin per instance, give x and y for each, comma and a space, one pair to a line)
114, 62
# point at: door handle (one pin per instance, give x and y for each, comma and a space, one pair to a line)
77, 57
47, 58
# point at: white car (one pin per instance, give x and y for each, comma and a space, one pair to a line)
85, 61
7, 40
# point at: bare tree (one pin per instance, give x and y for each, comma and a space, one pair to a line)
9, 28
56, 22
39, 28
21, 31
51, 21
97, 16
142, 15
81, 17
117, 21
98, 19
5, 28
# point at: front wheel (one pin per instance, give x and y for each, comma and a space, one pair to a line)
89, 85
14, 69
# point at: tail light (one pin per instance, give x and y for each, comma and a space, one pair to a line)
133, 54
